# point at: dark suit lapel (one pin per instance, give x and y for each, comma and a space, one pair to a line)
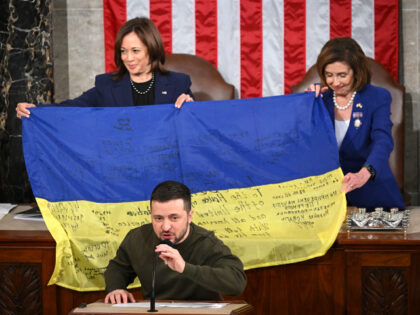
122, 92
164, 90
357, 119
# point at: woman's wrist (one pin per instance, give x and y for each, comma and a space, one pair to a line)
371, 171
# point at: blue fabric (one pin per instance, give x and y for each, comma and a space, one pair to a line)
108, 93
371, 143
110, 154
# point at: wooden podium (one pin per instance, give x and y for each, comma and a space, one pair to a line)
361, 272
100, 308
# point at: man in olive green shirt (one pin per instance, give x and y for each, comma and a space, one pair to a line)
197, 267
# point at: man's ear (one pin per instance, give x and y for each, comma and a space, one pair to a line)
190, 214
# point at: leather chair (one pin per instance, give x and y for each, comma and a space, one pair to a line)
380, 77
207, 82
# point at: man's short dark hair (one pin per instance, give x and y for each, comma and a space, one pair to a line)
170, 190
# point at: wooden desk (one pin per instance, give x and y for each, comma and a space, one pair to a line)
362, 271
99, 308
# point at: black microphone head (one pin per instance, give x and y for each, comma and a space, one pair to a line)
166, 242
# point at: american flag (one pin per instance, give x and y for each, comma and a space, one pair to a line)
262, 47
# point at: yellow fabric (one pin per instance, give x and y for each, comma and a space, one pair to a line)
263, 225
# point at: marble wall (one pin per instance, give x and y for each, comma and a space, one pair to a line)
78, 46
410, 78
25, 75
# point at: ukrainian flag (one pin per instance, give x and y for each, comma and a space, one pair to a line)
264, 174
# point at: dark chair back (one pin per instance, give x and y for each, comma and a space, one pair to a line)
207, 82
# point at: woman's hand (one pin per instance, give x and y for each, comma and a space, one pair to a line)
355, 180
182, 99
316, 87
22, 110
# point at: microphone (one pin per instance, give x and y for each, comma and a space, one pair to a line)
155, 260
166, 242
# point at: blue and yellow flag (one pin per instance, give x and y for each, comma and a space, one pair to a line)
264, 174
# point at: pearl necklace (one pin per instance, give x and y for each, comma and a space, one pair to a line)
148, 89
346, 106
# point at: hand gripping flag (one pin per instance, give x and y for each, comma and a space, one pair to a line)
264, 174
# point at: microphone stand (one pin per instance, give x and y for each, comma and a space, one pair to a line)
152, 295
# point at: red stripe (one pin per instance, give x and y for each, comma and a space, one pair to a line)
251, 48
386, 35
114, 16
294, 42
206, 30
161, 15
340, 18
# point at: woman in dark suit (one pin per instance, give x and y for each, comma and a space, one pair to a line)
360, 113
140, 78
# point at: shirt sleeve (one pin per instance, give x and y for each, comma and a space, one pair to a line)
119, 273
223, 272
89, 98
381, 133
182, 84
188, 86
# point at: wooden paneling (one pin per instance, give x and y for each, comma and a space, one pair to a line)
24, 275
315, 286
20, 288
378, 282
361, 274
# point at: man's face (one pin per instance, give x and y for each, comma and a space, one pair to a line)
170, 220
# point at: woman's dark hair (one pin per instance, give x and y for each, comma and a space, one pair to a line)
170, 190
344, 49
148, 33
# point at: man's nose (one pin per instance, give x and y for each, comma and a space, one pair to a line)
166, 226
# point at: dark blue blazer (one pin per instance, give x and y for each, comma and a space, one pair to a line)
370, 143
109, 93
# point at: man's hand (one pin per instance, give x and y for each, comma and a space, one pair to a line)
182, 99
171, 257
22, 109
119, 296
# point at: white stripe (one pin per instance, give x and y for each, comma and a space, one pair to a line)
136, 8
363, 25
183, 26
228, 20
273, 47
228, 42
317, 28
